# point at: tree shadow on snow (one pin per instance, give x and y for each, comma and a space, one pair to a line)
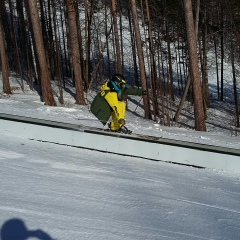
15, 229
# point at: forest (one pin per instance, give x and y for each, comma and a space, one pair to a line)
164, 46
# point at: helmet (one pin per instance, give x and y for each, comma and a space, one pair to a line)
118, 81
118, 78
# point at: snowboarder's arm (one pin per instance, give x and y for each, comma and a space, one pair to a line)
134, 91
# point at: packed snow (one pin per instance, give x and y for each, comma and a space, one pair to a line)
50, 191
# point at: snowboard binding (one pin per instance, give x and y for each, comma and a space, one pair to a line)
123, 129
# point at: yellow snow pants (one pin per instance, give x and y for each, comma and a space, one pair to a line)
119, 109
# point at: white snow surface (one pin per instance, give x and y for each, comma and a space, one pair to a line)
50, 191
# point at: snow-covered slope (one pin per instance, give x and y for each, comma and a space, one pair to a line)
58, 192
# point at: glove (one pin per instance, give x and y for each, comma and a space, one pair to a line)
121, 121
144, 92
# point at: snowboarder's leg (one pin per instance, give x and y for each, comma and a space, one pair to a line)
121, 111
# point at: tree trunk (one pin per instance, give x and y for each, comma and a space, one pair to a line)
133, 44
24, 43
16, 45
58, 62
31, 45
75, 51
107, 43
180, 107
116, 36
153, 65
204, 62
121, 33
4, 61
170, 67
217, 68
87, 43
222, 53
234, 83
200, 124
141, 60
44, 71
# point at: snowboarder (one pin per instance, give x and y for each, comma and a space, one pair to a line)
109, 102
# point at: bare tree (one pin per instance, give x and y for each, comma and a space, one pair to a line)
180, 107
152, 65
200, 124
133, 44
75, 51
44, 71
16, 46
204, 61
222, 52
141, 59
87, 42
234, 83
116, 36
4, 61
26, 49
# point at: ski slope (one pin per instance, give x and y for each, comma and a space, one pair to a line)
50, 191
71, 193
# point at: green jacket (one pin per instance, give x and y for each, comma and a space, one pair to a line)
101, 108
